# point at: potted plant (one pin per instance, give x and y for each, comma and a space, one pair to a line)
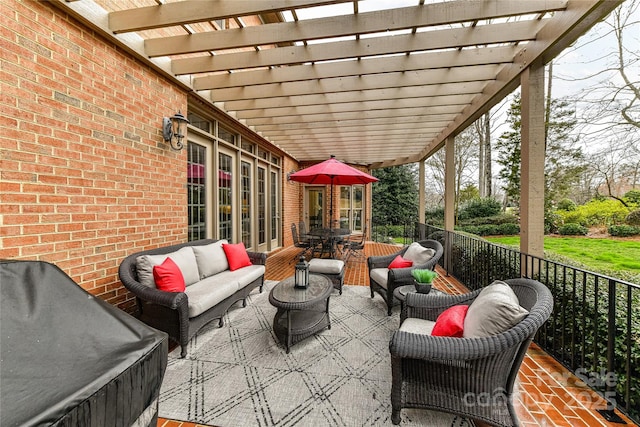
423, 279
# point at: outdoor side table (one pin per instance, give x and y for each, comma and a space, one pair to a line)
301, 312
400, 293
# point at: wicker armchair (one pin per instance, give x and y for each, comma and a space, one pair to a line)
471, 377
398, 276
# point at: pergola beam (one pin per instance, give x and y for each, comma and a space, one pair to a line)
346, 25
192, 11
430, 40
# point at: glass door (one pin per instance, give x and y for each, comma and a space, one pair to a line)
314, 204
225, 196
275, 209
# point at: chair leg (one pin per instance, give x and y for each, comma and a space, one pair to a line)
395, 416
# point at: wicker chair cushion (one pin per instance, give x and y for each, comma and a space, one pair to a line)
399, 262
211, 259
416, 325
380, 276
418, 253
495, 309
450, 323
183, 257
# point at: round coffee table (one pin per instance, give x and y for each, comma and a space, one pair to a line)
301, 312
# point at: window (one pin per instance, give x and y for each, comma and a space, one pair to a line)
226, 135
262, 206
225, 196
245, 172
196, 192
352, 207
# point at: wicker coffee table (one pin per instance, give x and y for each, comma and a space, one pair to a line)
301, 312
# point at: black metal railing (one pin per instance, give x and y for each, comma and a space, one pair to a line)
592, 331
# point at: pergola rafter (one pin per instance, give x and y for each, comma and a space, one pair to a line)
400, 80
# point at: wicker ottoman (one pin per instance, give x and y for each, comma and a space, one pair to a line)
332, 268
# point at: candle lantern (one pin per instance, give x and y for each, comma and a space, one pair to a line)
302, 274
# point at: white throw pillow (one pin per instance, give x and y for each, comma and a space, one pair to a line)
495, 309
418, 253
184, 259
211, 258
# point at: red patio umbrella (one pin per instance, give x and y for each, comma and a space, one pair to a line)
332, 172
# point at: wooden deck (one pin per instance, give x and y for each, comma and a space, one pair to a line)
547, 394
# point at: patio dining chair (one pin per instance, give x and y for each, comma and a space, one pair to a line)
354, 248
473, 375
306, 246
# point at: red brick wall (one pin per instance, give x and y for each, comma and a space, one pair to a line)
85, 177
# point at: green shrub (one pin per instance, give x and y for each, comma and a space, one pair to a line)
423, 275
633, 218
633, 196
596, 212
508, 229
572, 229
496, 220
567, 205
481, 207
623, 230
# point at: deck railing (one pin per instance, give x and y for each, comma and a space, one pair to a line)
594, 330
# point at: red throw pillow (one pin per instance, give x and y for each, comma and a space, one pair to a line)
237, 255
450, 323
399, 262
168, 276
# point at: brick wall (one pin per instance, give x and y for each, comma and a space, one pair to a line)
85, 177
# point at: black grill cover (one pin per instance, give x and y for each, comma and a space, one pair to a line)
69, 358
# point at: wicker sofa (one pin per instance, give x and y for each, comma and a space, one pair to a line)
182, 314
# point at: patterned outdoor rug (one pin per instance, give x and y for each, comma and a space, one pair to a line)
238, 375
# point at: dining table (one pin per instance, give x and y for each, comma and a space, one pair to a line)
331, 239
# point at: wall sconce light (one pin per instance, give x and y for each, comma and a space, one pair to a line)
174, 130
289, 180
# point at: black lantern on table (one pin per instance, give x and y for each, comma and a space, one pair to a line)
302, 274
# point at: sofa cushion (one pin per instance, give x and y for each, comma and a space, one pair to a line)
495, 309
183, 257
416, 325
380, 276
399, 262
208, 292
168, 276
418, 253
236, 255
243, 276
211, 258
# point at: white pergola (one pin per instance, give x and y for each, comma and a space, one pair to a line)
373, 86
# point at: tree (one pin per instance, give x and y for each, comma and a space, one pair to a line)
563, 159
465, 163
395, 196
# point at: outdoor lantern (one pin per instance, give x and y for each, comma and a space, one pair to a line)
302, 274
174, 129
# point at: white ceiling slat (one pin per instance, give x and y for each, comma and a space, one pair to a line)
435, 101
437, 39
404, 63
192, 11
366, 82
359, 96
339, 26
404, 112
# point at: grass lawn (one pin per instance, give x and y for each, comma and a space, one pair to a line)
596, 253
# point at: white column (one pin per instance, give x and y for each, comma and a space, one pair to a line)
449, 197
421, 192
532, 162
